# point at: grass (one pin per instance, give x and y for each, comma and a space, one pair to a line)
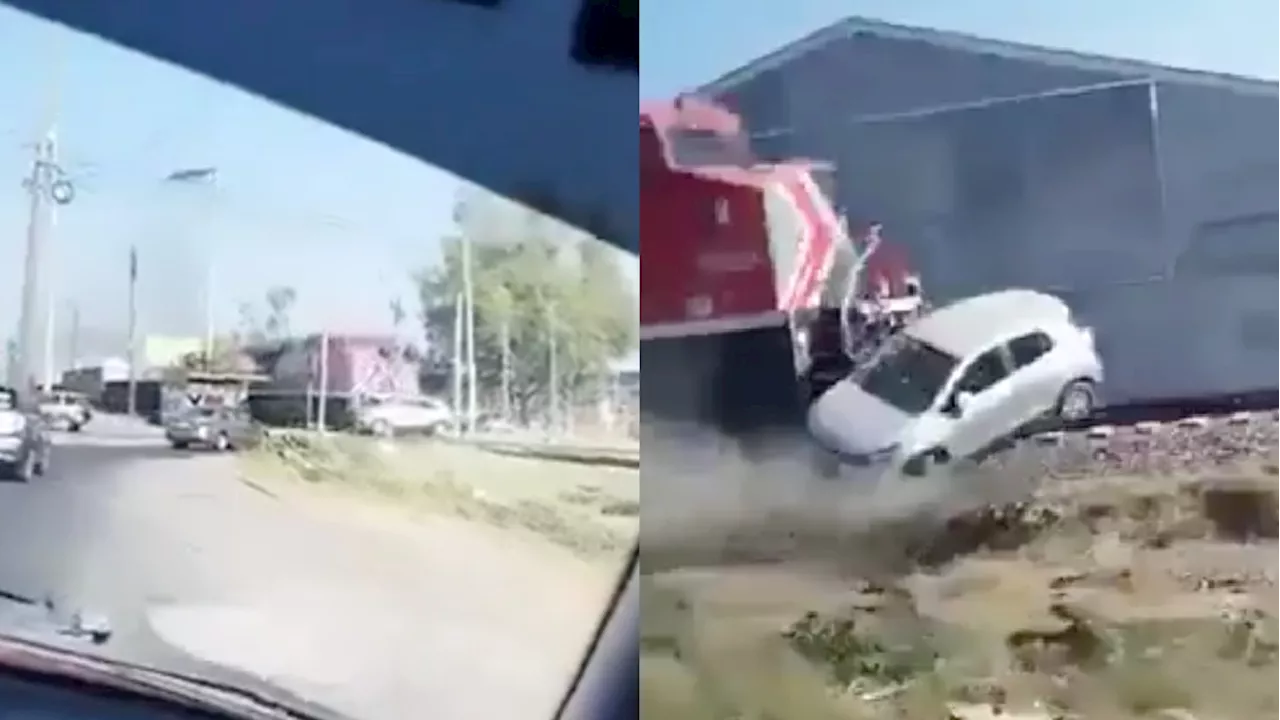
1102, 612
589, 510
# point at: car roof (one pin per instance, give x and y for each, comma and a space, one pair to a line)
976, 323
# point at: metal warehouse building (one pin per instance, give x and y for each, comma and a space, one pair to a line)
1145, 195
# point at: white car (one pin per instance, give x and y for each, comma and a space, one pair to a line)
403, 416
960, 381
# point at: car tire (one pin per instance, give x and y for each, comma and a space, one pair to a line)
381, 428
222, 443
1078, 401
24, 470
179, 445
74, 427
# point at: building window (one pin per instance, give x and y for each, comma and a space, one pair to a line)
1239, 247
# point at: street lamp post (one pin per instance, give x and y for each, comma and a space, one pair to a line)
206, 177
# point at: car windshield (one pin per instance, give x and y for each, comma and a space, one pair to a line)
908, 374
213, 251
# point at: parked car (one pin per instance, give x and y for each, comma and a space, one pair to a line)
960, 382
24, 439
215, 428
64, 409
388, 417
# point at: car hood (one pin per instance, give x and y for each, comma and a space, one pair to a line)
41, 638
849, 421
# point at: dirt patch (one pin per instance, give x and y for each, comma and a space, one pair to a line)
523, 495
1137, 581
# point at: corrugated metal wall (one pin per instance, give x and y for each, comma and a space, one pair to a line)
1096, 194
1218, 153
866, 75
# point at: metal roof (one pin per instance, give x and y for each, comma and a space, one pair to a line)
852, 26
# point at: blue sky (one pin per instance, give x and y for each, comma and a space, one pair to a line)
298, 202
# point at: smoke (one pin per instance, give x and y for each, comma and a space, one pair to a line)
709, 499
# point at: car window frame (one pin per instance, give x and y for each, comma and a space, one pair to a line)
954, 387
1012, 356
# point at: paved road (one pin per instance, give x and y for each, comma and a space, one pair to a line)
193, 567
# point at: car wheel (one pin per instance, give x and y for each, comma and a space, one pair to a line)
179, 444
1077, 401
222, 443
74, 427
24, 470
381, 428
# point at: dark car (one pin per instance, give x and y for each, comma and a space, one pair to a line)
24, 439
216, 428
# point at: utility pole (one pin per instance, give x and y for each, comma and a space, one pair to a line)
50, 294
46, 183
73, 339
468, 291
323, 411
27, 338
506, 369
133, 331
553, 368
206, 177
457, 358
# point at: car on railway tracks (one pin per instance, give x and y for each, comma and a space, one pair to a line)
960, 382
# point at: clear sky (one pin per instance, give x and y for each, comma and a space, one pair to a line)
341, 219
686, 42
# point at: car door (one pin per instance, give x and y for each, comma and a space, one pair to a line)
1036, 381
987, 416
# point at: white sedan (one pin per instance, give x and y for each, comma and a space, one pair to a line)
961, 381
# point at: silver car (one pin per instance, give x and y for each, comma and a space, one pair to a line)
216, 428
65, 410
24, 440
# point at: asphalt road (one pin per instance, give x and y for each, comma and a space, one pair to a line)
201, 573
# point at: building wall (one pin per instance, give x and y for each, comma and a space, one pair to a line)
1218, 162
864, 75
1097, 195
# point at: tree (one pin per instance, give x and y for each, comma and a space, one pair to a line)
279, 304
535, 280
280, 300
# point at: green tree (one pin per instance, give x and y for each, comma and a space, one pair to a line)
535, 281
280, 301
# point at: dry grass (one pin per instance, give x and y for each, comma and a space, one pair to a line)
588, 510
1118, 598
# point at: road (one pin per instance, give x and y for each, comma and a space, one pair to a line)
193, 567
